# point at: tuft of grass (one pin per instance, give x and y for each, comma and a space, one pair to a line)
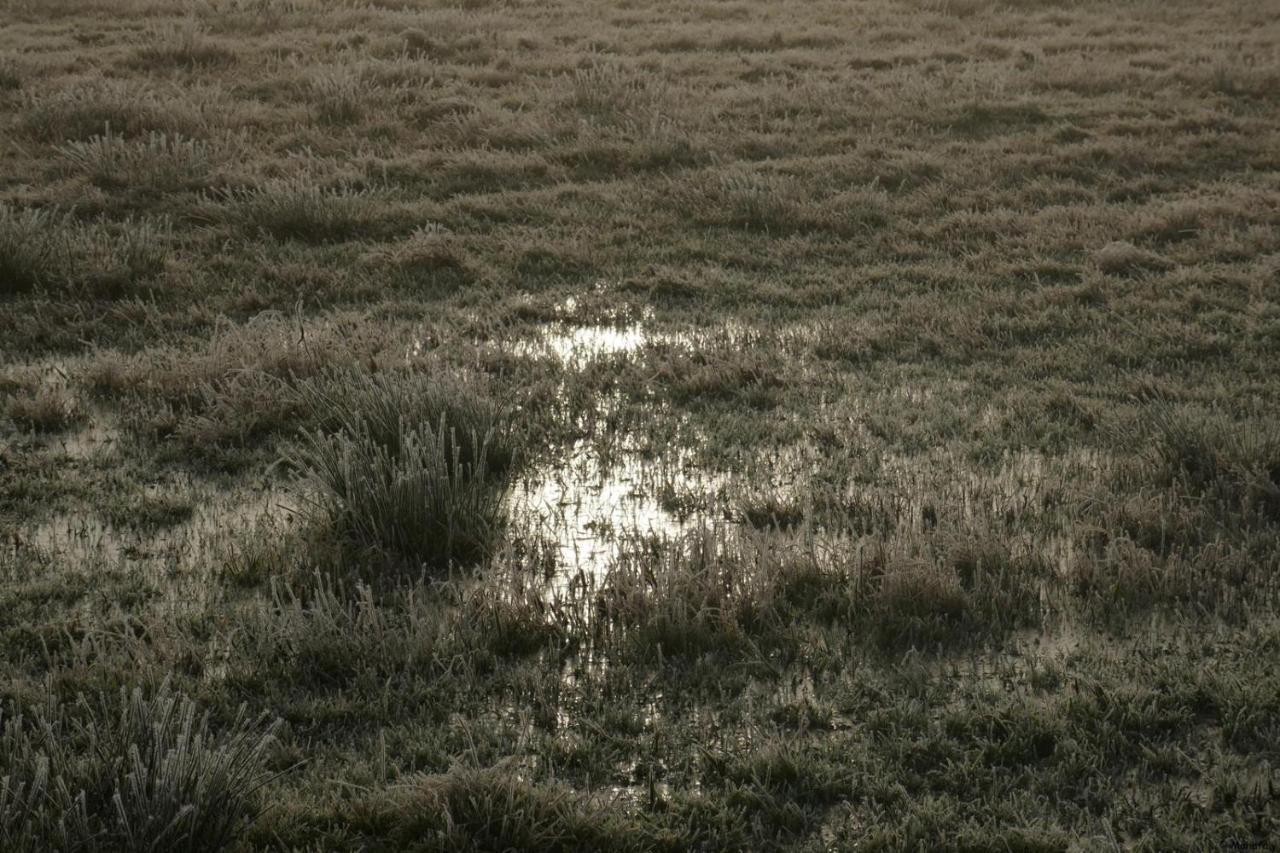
978, 120
719, 375
240, 409
427, 251
773, 510
149, 774
10, 76
710, 594
111, 260
47, 410
407, 464
417, 500
384, 403
1122, 258
294, 210
46, 248
609, 94
776, 205
915, 605
183, 49
1235, 466
160, 162
418, 44
29, 248
145, 511
339, 99
82, 112
494, 809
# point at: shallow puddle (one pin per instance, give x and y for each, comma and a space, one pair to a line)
585, 508
575, 347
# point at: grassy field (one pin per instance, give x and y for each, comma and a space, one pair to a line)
639, 425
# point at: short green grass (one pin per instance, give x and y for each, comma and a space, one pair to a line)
958, 325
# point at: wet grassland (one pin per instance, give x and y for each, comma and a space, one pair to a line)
639, 425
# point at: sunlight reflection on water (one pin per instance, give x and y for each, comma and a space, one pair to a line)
586, 507
577, 346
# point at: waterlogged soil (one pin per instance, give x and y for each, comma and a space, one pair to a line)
585, 508
581, 504
588, 502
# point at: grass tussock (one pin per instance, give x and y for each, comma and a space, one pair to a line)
426, 251
182, 49
50, 250
719, 373
81, 112
408, 464
228, 402
1234, 467
150, 773
612, 94
339, 99
314, 627
299, 211
777, 205
10, 76
29, 249
160, 163
47, 410
493, 809
1122, 258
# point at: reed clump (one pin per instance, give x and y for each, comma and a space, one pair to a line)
147, 774
407, 464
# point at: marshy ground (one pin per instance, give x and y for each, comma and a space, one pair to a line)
639, 425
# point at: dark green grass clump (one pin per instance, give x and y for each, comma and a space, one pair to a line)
408, 464
478, 810
148, 775
295, 211
46, 249
27, 256
1235, 468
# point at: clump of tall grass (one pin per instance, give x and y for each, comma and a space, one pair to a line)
495, 809
149, 774
296, 210
711, 593
339, 99
80, 112
10, 76
46, 410
612, 93
383, 403
108, 260
1236, 467
429, 249
161, 162
47, 248
1123, 258
182, 48
406, 463
323, 630
28, 249
776, 204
